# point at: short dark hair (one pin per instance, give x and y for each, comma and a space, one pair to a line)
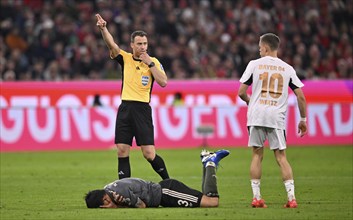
271, 40
94, 198
138, 33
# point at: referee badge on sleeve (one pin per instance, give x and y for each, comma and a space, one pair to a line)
144, 80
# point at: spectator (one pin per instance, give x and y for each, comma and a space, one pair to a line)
9, 75
218, 34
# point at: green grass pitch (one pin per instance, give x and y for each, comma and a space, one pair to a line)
51, 185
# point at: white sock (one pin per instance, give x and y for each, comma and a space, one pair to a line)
255, 185
289, 185
210, 163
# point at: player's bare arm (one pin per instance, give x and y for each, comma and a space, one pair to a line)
302, 128
140, 204
160, 78
107, 37
242, 93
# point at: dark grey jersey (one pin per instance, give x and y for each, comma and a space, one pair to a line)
133, 189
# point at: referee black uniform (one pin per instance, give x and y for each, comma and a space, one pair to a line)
134, 117
135, 114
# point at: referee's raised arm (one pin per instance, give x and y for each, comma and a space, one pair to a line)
107, 37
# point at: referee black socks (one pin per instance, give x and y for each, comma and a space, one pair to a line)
159, 166
124, 169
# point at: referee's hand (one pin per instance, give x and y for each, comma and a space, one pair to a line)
145, 58
101, 23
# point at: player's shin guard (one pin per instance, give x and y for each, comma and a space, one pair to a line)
124, 170
210, 184
159, 166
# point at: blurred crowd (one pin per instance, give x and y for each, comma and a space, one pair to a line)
58, 40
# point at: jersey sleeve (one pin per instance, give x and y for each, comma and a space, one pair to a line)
123, 53
123, 189
246, 78
120, 59
121, 56
294, 81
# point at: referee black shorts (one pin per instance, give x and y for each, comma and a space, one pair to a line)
177, 194
134, 119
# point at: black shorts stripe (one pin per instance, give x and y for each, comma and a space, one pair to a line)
179, 195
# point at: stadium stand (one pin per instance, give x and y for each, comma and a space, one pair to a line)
57, 40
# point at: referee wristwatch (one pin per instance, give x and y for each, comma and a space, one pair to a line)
152, 64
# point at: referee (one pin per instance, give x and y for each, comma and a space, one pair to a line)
134, 117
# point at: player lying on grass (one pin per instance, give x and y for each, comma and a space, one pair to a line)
138, 193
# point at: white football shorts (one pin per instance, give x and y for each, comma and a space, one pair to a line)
276, 137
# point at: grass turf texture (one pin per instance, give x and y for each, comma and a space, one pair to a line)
51, 185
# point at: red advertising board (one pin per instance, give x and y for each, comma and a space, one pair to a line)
60, 115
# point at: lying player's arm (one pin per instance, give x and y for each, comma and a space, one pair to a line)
122, 202
140, 204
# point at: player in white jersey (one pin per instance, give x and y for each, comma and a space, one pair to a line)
271, 79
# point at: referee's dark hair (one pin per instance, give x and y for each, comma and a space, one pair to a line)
94, 198
137, 33
271, 40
